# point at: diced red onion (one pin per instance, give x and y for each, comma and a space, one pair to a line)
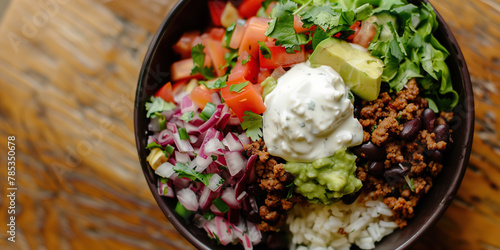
242, 196
187, 105
190, 128
165, 137
151, 139
244, 138
234, 121
235, 162
242, 182
180, 182
246, 242
224, 231
214, 183
188, 199
223, 121
210, 227
253, 203
212, 121
213, 147
232, 142
216, 98
182, 157
154, 124
165, 189
216, 211
233, 216
254, 233
229, 198
206, 198
221, 160
165, 170
278, 72
201, 163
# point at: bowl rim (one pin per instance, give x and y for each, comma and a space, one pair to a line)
430, 222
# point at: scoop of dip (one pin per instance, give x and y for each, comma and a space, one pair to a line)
309, 115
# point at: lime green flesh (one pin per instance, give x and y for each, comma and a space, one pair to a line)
360, 71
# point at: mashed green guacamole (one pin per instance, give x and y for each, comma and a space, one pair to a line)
327, 179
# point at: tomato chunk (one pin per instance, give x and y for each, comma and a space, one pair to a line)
215, 50
248, 70
248, 99
181, 70
279, 57
166, 93
185, 43
254, 31
263, 74
249, 8
201, 95
365, 34
216, 8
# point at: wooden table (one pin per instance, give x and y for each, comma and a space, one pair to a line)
68, 73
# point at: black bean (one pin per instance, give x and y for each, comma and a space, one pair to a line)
411, 129
429, 119
255, 190
435, 155
350, 198
394, 175
442, 133
253, 217
376, 168
370, 151
287, 178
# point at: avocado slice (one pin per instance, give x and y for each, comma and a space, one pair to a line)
360, 71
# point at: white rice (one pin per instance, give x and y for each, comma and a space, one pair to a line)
316, 227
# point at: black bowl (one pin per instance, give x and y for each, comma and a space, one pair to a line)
193, 15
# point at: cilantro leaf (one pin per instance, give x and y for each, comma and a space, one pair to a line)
252, 123
238, 88
184, 171
157, 105
266, 52
244, 61
281, 28
228, 35
199, 62
217, 83
230, 59
188, 116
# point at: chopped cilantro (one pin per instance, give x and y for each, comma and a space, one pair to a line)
291, 187
199, 62
281, 28
188, 116
252, 123
184, 171
266, 52
244, 61
374, 127
238, 88
217, 83
230, 59
157, 105
228, 35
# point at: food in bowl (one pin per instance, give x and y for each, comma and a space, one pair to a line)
328, 107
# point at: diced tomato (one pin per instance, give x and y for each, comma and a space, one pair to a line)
255, 29
216, 7
181, 70
297, 25
247, 100
365, 34
217, 33
263, 74
356, 27
258, 88
249, 70
236, 37
215, 50
270, 8
201, 95
185, 43
249, 8
166, 93
279, 57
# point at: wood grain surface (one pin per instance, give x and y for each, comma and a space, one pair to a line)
68, 73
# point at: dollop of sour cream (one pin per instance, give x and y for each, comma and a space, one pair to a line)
309, 115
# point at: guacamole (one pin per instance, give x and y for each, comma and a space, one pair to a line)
327, 179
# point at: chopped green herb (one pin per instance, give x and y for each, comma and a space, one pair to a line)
188, 116
207, 111
266, 52
252, 123
221, 205
217, 83
281, 28
228, 35
238, 88
199, 62
184, 171
230, 58
208, 215
244, 61
183, 134
157, 105
153, 145
291, 187
374, 127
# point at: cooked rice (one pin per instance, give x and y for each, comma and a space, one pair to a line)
317, 227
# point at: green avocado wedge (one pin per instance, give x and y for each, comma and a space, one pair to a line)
360, 71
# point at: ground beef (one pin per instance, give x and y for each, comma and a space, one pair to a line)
274, 187
419, 158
